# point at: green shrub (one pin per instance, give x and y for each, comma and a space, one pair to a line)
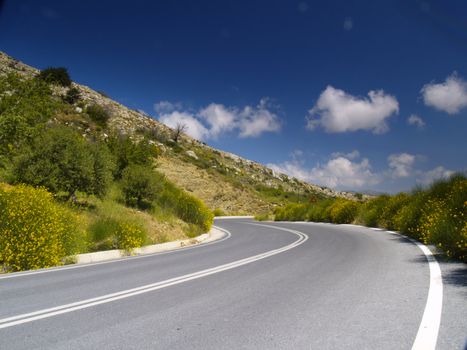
388, 217
194, 231
98, 114
262, 217
13, 131
140, 186
343, 211
188, 208
63, 161
110, 233
291, 212
444, 217
72, 96
128, 152
437, 215
30, 99
320, 211
218, 212
371, 211
101, 233
55, 75
35, 232
407, 218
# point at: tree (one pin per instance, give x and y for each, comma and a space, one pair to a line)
72, 96
139, 186
55, 75
127, 151
63, 161
31, 99
179, 129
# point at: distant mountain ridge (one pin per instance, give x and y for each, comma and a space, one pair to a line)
221, 179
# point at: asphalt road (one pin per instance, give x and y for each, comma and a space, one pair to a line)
267, 286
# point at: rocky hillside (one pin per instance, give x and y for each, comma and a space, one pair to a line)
222, 180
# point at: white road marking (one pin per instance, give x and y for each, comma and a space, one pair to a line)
427, 334
83, 304
72, 267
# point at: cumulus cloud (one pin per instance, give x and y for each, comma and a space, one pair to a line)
416, 121
337, 111
344, 173
216, 119
351, 155
193, 126
449, 97
219, 118
400, 165
426, 178
340, 171
253, 121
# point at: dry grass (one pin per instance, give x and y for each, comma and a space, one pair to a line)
212, 190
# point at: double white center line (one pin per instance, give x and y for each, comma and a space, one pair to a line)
87, 303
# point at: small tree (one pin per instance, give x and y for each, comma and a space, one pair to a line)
139, 186
63, 161
127, 151
179, 129
55, 75
72, 96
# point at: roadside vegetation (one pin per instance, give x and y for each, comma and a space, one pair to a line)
436, 215
69, 184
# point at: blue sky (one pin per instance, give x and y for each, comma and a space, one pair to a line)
353, 95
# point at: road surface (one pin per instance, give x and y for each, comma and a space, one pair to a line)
263, 286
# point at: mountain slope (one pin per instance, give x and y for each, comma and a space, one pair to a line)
222, 180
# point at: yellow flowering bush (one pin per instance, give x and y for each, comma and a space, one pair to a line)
436, 215
387, 218
129, 236
343, 211
187, 207
35, 231
443, 220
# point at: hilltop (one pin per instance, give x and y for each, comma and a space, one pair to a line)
224, 181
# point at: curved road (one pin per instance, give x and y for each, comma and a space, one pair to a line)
263, 286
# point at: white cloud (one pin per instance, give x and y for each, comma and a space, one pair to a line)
337, 111
450, 96
338, 172
426, 178
352, 155
165, 107
217, 119
400, 165
193, 127
253, 121
416, 120
345, 173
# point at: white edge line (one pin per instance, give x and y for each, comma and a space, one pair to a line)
118, 260
427, 334
83, 304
